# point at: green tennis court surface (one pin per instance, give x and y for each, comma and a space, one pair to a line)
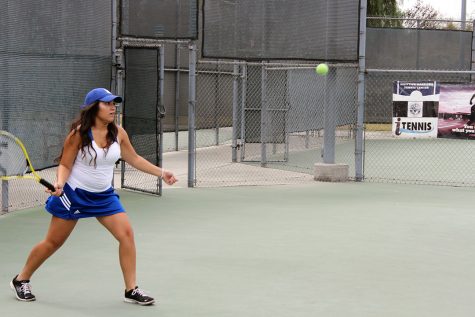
321, 249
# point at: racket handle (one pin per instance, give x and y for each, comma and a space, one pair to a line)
47, 185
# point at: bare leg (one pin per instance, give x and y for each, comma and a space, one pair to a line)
59, 230
119, 226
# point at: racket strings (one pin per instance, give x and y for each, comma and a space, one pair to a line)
12, 159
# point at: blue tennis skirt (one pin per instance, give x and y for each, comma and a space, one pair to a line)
80, 203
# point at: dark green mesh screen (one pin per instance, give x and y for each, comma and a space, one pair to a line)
51, 54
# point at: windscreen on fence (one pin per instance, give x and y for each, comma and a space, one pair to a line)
284, 29
418, 49
51, 54
411, 49
165, 19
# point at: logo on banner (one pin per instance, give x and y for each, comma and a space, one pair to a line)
413, 127
415, 109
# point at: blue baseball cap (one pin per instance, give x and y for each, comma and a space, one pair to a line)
100, 94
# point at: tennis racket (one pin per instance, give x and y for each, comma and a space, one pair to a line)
15, 162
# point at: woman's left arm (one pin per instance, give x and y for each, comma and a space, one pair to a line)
130, 156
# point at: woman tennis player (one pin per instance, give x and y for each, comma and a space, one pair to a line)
83, 189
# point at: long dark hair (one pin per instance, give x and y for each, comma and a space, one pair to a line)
82, 124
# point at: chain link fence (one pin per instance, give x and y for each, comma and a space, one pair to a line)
435, 161
263, 123
256, 123
24, 193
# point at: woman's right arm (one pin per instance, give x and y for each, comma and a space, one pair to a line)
70, 151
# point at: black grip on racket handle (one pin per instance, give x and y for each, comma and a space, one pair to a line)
47, 185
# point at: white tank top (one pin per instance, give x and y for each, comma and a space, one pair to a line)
85, 175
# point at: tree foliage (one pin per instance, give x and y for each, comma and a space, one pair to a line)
421, 16
383, 8
380, 8
423, 13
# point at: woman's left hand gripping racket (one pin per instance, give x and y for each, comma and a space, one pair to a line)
15, 162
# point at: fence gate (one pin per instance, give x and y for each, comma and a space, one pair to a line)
142, 113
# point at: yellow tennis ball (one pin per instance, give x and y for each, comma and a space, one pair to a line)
322, 69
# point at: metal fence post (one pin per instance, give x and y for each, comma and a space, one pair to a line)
473, 50
216, 105
115, 61
243, 110
418, 46
463, 16
4, 196
235, 109
114, 33
329, 113
161, 111
361, 95
263, 115
191, 115
177, 93
117, 78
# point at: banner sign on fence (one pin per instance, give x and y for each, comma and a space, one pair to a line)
456, 112
415, 109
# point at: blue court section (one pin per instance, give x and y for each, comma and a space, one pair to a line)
320, 249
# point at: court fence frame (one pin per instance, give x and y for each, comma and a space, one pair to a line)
240, 130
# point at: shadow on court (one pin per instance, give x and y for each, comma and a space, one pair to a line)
321, 249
